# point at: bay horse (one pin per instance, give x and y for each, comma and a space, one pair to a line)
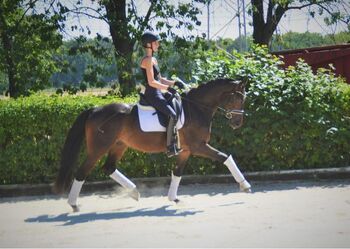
115, 127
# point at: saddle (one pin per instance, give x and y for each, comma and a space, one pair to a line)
153, 120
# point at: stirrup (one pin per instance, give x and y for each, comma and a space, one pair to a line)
173, 150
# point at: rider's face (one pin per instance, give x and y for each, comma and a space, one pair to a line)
155, 46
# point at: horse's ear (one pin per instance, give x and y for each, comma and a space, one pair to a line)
245, 83
235, 81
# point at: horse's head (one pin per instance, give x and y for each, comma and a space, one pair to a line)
233, 104
224, 94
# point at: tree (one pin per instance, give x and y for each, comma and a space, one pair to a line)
85, 62
126, 25
265, 26
229, 45
294, 40
27, 43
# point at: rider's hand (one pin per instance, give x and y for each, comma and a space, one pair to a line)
180, 84
172, 90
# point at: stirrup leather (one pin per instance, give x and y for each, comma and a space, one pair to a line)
173, 143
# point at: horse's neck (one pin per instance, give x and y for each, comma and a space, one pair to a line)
205, 105
208, 99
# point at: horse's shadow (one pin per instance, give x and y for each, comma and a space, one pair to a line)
71, 219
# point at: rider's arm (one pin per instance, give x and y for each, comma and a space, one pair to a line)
165, 81
147, 64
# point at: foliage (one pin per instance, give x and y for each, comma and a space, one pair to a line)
28, 42
294, 40
177, 57
127, 22
31, 39
3, 83
83, 57
88, 62
294, 119
32, 133
267, 14
240, 44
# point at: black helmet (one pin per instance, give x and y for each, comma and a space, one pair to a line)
149, 37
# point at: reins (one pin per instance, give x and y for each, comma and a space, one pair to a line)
227, 113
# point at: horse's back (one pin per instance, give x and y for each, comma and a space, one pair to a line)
110, 111
113, 108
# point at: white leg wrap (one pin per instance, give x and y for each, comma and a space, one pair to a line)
122, 180
174, 185
231, 165
237, 174
74, 192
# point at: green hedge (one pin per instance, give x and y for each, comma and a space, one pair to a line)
295, 119
32, 133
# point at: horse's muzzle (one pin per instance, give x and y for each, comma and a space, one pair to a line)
236, 121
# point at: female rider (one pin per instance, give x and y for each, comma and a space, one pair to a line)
156, 83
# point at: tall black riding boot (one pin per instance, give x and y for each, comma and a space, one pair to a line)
171, 139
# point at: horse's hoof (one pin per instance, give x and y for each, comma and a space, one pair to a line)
245, 187
173, 200
135, 194
247, 190
75, 208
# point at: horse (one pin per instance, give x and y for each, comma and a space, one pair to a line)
115, 127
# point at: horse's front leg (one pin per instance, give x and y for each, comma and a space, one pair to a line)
176, 175
205, 150
114, 155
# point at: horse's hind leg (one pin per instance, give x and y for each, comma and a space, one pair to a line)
97, 146
114, 155
79, 180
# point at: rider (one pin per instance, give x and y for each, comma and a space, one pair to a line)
156, 83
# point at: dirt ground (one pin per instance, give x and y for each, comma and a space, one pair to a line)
277, 214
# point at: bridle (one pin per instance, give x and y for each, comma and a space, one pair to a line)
228, 113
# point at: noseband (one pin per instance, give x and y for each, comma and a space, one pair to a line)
229, 113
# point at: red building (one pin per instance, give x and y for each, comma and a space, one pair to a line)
316, 57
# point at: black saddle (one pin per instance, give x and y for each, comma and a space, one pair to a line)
173, 100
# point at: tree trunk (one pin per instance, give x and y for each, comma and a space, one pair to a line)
123, 43
263, 30
262, 36
10, 65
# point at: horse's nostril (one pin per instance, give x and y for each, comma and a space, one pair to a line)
236, 123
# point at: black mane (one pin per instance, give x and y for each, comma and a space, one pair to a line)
213, 84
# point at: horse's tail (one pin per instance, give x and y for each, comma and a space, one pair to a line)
70, 152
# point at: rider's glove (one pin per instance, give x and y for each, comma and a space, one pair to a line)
172, 90
180, 84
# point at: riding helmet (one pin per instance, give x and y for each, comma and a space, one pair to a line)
149, 37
